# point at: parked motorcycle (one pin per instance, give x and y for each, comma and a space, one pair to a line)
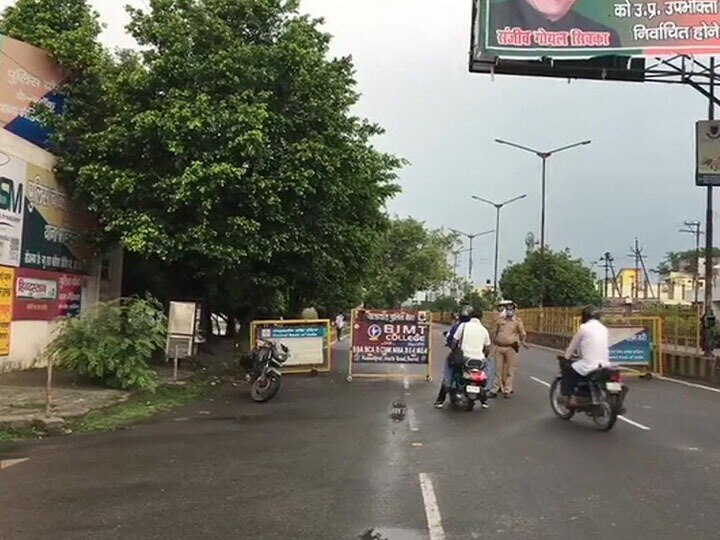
263, 366
601, 395
468, 385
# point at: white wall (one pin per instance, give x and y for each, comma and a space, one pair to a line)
29, 338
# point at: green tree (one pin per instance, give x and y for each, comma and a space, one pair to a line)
674, 260
409, 258
225, 152
567, 281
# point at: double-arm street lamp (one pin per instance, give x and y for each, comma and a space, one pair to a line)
544, 157
498, 207
470, 238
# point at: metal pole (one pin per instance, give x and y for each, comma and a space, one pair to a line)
497, 251
709, 318
470, 260
542, 212
697, 263
48, 387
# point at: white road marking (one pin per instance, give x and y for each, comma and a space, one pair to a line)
406, 383
689, 384
623, 418
7, 463
633, 423
540, 381
432, 511
412, 420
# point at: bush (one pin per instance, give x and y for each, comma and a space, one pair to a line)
113, 342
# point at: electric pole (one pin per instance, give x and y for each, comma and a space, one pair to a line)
693, 227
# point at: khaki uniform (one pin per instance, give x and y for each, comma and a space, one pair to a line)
508, 334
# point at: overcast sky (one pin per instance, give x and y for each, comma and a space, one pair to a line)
636, 178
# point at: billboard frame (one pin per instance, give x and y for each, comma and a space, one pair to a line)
427, 376
321, 367
672, 69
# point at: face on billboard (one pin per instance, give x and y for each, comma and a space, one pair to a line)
552, 9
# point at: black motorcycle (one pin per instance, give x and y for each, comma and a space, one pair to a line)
263, 366
468, 384
600, 395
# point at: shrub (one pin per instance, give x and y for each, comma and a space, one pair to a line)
113, 342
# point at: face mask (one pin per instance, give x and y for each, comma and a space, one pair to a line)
510, 313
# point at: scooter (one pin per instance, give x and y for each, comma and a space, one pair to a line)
468, 385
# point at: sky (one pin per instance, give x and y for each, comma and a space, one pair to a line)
635, 179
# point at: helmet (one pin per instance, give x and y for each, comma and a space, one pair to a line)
588, 313
466, 313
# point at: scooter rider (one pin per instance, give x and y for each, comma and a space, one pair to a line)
474, 341
591, 340
463, 317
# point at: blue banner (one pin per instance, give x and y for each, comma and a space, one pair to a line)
633, 350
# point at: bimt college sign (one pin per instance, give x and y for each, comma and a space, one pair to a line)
390, 338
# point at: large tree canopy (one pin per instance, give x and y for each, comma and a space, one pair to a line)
225, 152
409, 258
567, 281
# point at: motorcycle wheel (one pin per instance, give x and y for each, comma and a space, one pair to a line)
560, 410
264, 391
606, 414
462, 404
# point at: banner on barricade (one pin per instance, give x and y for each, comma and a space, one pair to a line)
391, 337
307, 340
630, 346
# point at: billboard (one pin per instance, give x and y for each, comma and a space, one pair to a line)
44, 296
630, 346
54, 228
12, 185
27, 77
591, 28
306, 343
707, 152
390, 337
6, 301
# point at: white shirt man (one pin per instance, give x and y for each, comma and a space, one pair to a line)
474, 338
591, 340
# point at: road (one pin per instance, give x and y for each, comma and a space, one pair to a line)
326, 460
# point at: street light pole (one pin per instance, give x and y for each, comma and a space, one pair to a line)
498, 207
470, 238
544, 156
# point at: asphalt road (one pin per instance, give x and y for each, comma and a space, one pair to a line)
329, 460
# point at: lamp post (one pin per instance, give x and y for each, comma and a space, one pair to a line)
544, 156
498, 207
470, 238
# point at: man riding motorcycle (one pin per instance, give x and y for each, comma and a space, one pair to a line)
591, 340
474, 341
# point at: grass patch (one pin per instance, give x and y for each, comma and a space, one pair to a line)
12, 435
140, 407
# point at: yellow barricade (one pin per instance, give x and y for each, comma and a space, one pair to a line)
309, 342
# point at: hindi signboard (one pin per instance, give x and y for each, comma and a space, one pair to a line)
7, 276
306, 343
707, 156
630, 346
591, 28
390, 337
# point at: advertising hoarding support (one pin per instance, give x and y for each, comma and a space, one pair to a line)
390, 337
635, 344
307, 339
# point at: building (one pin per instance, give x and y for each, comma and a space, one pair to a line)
47, 270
